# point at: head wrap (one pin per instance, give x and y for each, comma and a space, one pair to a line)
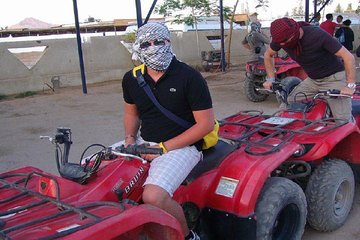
154, 57
283, 29
255, 27
285, 32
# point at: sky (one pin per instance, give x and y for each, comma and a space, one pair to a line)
61, 11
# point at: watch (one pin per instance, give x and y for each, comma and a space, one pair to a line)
270, 79
352, 86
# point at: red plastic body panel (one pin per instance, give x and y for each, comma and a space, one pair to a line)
284, 66
77, 206
35, 204
251, 173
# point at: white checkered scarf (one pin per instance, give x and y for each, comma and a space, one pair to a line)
154, 57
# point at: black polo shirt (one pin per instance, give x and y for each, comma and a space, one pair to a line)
181, 90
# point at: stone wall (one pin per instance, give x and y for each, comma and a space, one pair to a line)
105, 58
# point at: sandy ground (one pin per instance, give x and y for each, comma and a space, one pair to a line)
96, 117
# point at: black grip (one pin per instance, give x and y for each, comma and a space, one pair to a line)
334, 91
139, 149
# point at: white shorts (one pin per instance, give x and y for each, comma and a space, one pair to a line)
169, 170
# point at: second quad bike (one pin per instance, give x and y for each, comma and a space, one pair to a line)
255, 76
266, 177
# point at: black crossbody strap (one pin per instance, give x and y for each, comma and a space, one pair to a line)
142, 83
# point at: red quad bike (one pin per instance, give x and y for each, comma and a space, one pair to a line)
255, 76
266, 177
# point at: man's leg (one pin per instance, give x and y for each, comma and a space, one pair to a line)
340, 106
166, 173
305, 90
158, 197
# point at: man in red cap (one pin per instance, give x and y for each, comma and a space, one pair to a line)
327, 63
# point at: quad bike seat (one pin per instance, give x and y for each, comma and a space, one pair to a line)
355, 107
212, 158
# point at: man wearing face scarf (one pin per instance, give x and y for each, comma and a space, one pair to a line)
327, 63
183, 91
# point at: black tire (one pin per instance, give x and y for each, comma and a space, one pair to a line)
280, 210
251, 93
330, 195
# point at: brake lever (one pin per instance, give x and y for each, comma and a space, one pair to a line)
339, 95
264, 90
333, 93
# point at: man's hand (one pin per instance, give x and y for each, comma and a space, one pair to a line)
129, 140
267, 85
150, 157
347, 91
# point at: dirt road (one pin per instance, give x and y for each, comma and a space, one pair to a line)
97, 118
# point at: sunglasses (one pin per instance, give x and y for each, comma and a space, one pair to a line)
154, 43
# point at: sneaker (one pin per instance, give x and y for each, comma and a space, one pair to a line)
193, 235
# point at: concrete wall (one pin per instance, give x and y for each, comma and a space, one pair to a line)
105, 58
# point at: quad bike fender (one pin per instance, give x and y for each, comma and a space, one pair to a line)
339, 143
240, 178
139, 221
348, 148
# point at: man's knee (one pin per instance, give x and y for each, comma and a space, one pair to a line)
155, 195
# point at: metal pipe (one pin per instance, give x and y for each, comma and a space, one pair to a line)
222, 37
138, 13
150, 11
78, 38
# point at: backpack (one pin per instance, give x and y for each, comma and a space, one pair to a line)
341, 37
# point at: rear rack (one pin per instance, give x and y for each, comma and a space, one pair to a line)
259, 138
25, 208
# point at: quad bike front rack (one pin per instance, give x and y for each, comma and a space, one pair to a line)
21, 200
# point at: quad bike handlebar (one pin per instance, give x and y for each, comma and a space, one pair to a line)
139, 149
80, 172
135, 151
281, 90
331, 93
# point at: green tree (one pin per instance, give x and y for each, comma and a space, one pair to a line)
338, 9
190, 12
301, 11
349, 7
228, 57
322, 2
262, 3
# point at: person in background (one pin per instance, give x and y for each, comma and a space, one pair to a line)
345, 35
184, 92
253, 17
339, 19
255, 41
316, 21
328, 25
328, 64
